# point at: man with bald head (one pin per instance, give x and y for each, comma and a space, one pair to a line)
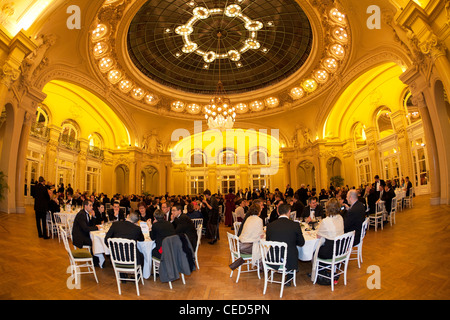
356, 215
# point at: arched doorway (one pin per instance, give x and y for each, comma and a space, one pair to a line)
122, 174
334, 166
306, 174
150, 180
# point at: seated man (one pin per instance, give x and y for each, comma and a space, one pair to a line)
116, 214
314, 209
159, 230
193, 210
127, 229
355, 216
183, 224
288, 231
83, 224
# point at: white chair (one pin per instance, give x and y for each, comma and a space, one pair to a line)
408, 201
342, 249
51, 226
60, 222
234, 216
235, 252
358, 248
199, 238
124, 261
236, 226
79, 258
293, 215
70, 220
156, 263
197, 221
274, 257
399, 202
391, 216
377, 217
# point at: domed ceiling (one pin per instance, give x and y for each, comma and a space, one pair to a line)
169, 56
190, 46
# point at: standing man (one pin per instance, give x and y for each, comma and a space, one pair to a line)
41, 202
408, 186
212, 206
289, 192
288, 231
379, 186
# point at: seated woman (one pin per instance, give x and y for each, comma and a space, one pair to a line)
159, 230
100, 214
250, 232
142, 212
331, 227
240, 211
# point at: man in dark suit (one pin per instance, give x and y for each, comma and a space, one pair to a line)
355, 216
387, 197
288, 231
289, 192
379, 186
274, 213
314, 208
297, 206
183, 224
212, 205
41, 203
408, 186
83, 224
159, 230
116, 214
247, 194
302, 194
127, 230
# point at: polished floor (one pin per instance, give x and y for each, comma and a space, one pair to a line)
413, 258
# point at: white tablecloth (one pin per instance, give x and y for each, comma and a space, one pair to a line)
99, 248
306, 252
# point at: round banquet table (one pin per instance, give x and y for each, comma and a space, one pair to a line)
99, 249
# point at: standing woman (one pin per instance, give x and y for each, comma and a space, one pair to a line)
229, 207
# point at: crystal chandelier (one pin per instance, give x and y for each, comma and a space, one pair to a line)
220, 114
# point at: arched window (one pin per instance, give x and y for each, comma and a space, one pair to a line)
258, 157
227, 157
95, 141
384, 123
41, 117
359, 135
197, 159
69, 132
412, 111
